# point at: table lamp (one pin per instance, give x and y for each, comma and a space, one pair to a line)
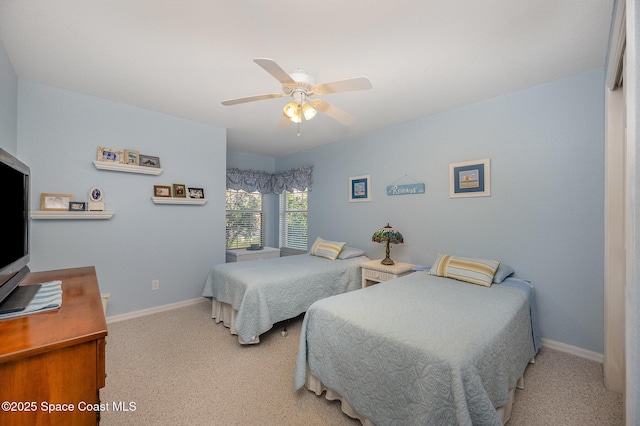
387, 235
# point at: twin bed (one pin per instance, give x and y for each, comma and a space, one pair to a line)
250, 297
421, 349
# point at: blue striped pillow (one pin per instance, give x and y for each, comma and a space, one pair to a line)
468, 269
327, 249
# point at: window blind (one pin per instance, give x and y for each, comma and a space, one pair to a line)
244, 221
293, 220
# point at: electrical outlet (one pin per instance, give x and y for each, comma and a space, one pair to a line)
155, 284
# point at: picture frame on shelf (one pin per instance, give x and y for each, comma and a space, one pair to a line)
149, 161
110, 155
161, 191
179, 190
131, 157
77, 206
360, 188
470, 179
55, 202
196, 193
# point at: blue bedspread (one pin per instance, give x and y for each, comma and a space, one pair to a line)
266, 291
420, 350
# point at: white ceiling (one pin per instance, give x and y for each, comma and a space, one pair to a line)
183, 57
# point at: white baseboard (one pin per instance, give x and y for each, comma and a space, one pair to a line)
155, 310
573, 350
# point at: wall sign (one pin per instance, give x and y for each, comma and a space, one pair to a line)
411, 188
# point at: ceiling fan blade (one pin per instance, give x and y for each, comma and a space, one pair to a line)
284, 123
251, 99
270, 66
357, 83
336, 113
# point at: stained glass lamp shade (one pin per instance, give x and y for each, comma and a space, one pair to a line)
387, 235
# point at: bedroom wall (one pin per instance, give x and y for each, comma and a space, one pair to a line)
8, 104
58, 135
544, 217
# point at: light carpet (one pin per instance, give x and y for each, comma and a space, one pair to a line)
181, 368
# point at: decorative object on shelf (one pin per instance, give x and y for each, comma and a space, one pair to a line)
470, 179
149, 161
77, 206
161, 191
255, 247
58, 202
95, 203
179, 190
131, 157
360, 188
405, 189
196, 193
110, 155
387, 235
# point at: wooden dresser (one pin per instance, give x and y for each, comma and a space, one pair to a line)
52, 364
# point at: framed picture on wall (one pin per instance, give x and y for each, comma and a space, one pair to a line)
179, 190
131, 157
149, 161
196, 193
55, 201
470, 179
360, 188
161, 191
110, 155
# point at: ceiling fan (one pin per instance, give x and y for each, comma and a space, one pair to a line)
301, 87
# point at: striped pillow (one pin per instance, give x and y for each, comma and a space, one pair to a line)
327, 249
472, 270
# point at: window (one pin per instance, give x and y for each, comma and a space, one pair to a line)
293, 220
244, 219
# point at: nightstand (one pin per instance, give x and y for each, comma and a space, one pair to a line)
375, 272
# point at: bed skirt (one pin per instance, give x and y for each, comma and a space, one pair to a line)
315, 385
223, 312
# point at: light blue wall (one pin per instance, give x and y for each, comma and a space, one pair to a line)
58, 135
8, 104
545, 216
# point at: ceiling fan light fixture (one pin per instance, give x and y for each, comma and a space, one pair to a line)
291, 110
308, 111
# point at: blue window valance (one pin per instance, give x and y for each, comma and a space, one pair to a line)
264, 182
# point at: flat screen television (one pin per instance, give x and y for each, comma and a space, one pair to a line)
14, 256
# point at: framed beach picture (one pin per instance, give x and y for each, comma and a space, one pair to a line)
131, 157
360, 188
470, 179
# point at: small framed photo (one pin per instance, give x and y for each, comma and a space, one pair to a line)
360, 188
196, 193
55, 201
179, 190
110, 155
470, 179
161, 191
131, 157
149, 161
77, 206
